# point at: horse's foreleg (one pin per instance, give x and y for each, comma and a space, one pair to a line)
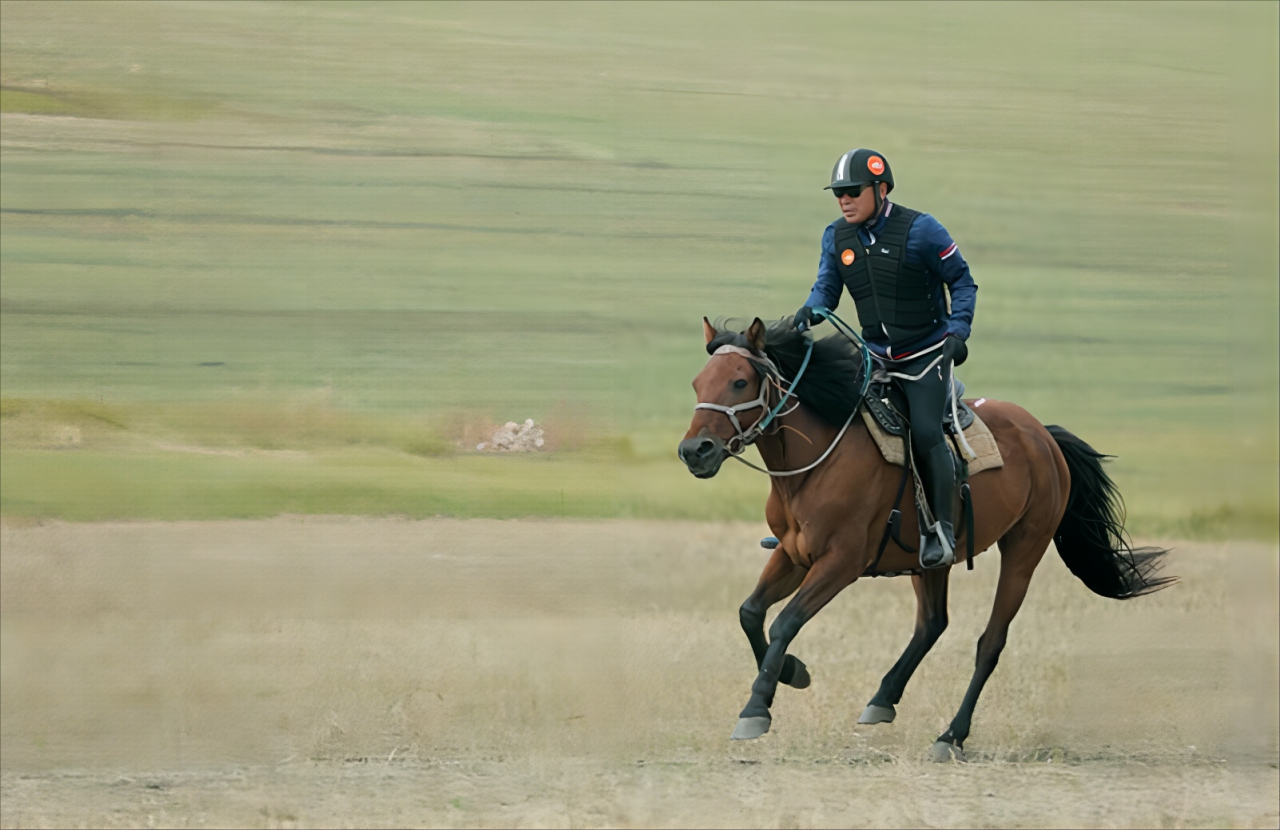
1018, 559
778, 579
821, 583
931, 621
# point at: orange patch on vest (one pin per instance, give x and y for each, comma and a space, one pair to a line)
847, 256
876, 165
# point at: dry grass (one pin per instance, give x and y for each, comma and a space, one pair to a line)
480, 673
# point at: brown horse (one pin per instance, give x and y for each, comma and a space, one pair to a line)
830, 519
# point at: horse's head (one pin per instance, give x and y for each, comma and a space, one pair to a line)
730, 383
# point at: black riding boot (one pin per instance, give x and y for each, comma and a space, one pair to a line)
938, 543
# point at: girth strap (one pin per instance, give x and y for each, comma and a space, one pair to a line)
891, 526
966, 498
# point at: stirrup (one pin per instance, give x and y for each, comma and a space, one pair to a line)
937, 536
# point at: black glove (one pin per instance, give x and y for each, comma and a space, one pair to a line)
953, 348
806, 318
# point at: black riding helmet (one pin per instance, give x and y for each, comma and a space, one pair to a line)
862, 167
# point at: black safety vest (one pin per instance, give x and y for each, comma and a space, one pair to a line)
892, 297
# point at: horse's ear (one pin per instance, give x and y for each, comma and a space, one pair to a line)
755, 335
708, 330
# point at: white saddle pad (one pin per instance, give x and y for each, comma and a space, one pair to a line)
986, 453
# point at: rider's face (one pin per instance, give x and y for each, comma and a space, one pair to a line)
858, 209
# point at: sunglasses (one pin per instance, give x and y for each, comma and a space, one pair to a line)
854, 191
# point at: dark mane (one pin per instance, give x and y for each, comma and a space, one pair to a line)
833, 381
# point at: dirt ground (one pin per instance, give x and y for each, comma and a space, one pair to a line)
357, 672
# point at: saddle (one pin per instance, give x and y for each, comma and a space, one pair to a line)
886, 403
882, 412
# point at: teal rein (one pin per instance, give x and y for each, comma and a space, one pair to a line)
848, 331
804, 364
748, 437
845, 329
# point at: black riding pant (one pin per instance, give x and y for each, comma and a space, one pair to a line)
926, 400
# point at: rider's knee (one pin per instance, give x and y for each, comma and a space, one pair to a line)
924, 438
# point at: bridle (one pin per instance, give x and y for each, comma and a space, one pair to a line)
773, 377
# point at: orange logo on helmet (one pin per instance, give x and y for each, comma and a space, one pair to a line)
876, 165
847, 256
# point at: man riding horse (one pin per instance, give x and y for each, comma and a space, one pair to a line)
895, 261
832, 494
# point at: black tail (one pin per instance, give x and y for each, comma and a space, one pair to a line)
1091, 539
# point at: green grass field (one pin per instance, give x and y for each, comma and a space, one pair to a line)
262, 259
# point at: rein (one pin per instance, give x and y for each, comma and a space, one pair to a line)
746, 438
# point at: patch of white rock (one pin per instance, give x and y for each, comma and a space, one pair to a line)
513, 437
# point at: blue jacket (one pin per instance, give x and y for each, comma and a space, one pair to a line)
928, 245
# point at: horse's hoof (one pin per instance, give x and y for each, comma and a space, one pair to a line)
943, 752
749, 728
877, 714
800, 678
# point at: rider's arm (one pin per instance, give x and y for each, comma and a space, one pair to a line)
942, 258
827, 288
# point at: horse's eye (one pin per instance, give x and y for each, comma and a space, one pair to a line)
739, 384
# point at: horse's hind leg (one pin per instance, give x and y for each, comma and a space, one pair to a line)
931, 621
1020, 552
778, 579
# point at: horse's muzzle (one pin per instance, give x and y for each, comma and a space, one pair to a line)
702, 454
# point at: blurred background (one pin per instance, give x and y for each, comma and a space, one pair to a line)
300, 258
291, 263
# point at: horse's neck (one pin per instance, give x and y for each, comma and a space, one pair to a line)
787, 449
854, 460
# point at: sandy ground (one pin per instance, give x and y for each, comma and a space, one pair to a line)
348, 672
